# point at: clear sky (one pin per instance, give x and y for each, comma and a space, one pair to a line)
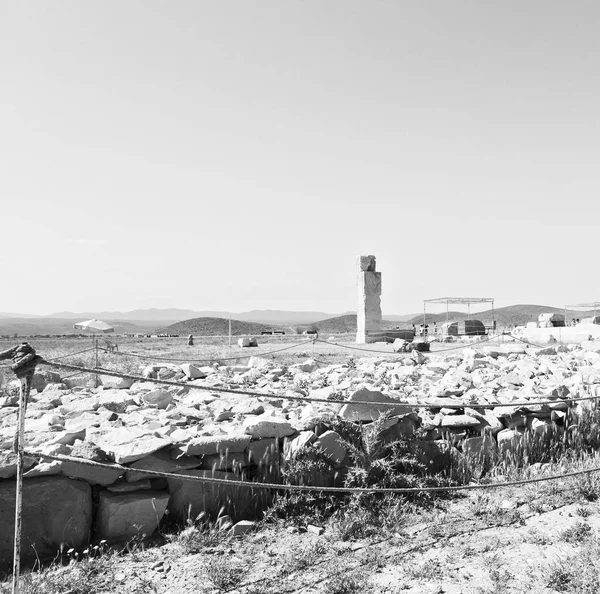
237, 155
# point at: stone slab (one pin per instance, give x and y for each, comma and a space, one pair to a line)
122, 516
57, 512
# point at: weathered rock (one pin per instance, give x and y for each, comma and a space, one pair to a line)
400, 428
259, 363
158, 398
46, 467
127, 445
331, 445
435, 456
262, 451
38, 382
88, 451
57, 513
160, 461
124, 487
307, 367
94, 475
459, 421
81, 381
170, 373
224, 462
188, 499
267, 426
510, 440
151, 371
293, 446
116, 400
482, 448
242, 527
248, 407
213, 444
8, 464
50, 377
371, 412
122, 516
192, 372
116, 383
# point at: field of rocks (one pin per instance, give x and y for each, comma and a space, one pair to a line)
315, 414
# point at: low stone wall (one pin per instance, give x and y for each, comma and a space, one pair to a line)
238, 437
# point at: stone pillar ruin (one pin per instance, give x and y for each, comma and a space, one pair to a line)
368, 315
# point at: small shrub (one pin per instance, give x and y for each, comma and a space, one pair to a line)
576, 534
580, 574
583, 512
588, 487
222, 573
346, 583
303, 558
200, 533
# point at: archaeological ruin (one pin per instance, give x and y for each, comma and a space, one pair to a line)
368, 315
110, 462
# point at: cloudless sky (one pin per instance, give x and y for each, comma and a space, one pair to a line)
238, 155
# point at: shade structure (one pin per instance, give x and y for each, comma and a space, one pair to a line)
464, 328
94, 326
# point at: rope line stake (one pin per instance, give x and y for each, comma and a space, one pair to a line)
25, 388
24, 362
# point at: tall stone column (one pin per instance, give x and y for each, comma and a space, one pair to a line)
368, 315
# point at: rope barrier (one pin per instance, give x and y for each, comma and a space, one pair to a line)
528, 343
59, 357
454, 405
288, 487
216, 358
71, 354
353, 348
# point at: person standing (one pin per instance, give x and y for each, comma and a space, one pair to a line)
190, 340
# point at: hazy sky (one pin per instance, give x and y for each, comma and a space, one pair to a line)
240, 155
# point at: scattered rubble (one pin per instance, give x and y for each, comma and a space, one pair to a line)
179, 430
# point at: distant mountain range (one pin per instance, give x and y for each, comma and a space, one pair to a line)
156, 320
267, 316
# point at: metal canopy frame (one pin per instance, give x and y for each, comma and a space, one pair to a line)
595, 305
459, 301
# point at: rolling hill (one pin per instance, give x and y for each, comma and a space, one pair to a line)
506, 317
342, 324
215, 327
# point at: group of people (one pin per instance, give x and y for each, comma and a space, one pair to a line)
423, 329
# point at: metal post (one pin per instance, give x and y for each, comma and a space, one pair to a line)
96, 361
24, 393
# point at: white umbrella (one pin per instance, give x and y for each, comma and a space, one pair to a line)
94, 325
